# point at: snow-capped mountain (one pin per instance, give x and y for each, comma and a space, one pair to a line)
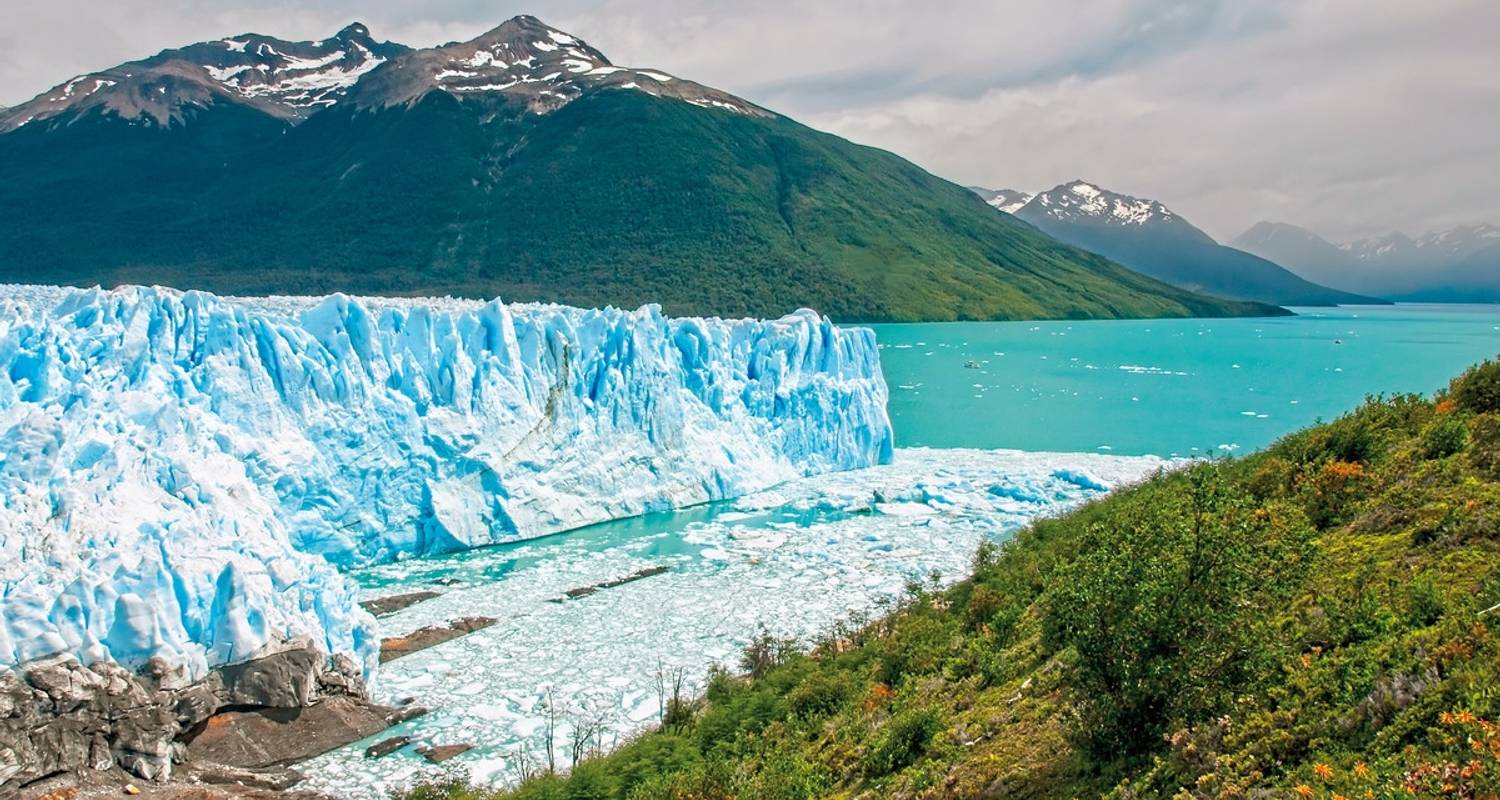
1079, 200
1146, 236
284, 79
1433, 247
1007, 200
527, 60
1460, 264
250, 165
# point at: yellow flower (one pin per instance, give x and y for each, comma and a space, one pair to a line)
1323, 771
1360, 769
1304, 790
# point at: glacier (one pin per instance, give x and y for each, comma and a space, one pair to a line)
189, 477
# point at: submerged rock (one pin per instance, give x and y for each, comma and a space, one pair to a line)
397, 646
385, 747
437, 754
390, 605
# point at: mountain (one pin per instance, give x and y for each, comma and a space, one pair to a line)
522, 163
1460, 264
286, 80
1149, 238
1007, 200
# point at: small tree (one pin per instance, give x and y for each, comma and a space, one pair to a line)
766, 651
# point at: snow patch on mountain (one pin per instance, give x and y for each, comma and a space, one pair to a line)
530, 62
283, 78
181, 473
1008, 200
1079, 199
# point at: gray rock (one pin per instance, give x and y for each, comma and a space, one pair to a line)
285, 680
385, 747
58, 716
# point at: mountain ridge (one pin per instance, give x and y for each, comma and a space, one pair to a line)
461, 169
1146, 236
1457, 264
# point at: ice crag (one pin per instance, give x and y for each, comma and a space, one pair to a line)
182, 474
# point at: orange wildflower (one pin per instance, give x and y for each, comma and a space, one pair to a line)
1324, 772
1304, 790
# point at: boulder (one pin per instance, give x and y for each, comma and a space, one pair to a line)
60, 716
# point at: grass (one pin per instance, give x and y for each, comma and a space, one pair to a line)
1311, 621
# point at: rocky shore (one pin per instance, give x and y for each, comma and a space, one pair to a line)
67, 728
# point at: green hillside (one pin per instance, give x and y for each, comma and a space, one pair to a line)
1311, 621
618, 197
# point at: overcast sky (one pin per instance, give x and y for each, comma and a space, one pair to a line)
1351, 117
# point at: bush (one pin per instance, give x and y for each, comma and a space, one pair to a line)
1424, 603
903, 740
918, 643
1478, 390
1444, 436
1333, 490
1485, 453
1168, 605
819, 695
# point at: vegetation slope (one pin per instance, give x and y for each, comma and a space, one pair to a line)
1312, 621
617, 198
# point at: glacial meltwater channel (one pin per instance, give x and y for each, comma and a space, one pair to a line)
799, 557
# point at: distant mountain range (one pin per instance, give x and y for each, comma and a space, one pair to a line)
1456, 265
1149, 238
523, 164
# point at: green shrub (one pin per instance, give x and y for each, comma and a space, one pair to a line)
1485, 450
1166, 608
903, 740
917, 644
1424, 603
820, 694
787, 776
1444, 436
1478, 390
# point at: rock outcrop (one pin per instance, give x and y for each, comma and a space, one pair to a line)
58, 715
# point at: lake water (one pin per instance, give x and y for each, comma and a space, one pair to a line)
798, 557
1166, 387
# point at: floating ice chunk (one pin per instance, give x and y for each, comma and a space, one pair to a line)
1081, 478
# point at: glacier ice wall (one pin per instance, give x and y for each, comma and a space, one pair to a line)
183, 474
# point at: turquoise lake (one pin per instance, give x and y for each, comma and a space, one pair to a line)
1166, 387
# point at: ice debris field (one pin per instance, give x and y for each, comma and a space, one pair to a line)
185, 475
792, 559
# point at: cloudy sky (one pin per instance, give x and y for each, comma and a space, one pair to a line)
1351, 117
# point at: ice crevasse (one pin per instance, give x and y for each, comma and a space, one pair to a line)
184, 475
